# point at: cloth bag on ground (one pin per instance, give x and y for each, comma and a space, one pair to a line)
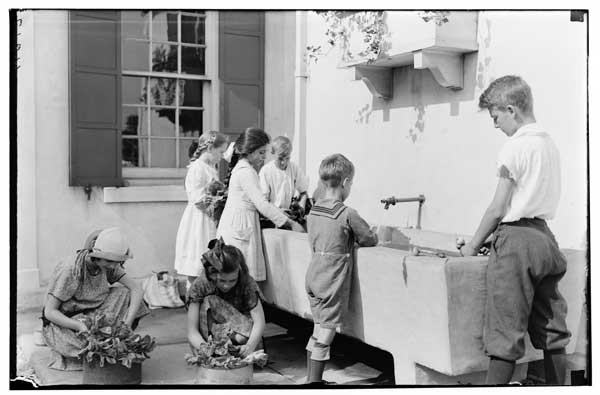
161, 290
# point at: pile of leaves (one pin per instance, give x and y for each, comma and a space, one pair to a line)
220, 352
298, 213
218, 192
114, 344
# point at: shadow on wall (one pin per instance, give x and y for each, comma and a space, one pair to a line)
418, 89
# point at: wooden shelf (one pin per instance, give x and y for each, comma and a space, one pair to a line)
424, 45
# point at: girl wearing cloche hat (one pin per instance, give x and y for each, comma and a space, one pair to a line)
81, 286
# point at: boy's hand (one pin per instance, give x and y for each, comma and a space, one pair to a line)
468, 250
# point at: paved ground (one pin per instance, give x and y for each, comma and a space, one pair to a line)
352, 363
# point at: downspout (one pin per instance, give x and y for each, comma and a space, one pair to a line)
300, 77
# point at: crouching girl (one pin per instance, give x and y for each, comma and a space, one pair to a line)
80, 287
225, 299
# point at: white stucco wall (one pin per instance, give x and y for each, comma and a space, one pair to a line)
432, 141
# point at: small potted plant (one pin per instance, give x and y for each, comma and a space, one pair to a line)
219, 362
114, 353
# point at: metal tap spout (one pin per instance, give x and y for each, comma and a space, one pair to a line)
391, 201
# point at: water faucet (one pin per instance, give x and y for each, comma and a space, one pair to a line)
391, 201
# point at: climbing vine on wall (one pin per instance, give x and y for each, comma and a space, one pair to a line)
369, 25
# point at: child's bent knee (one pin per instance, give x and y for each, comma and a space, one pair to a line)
320, 352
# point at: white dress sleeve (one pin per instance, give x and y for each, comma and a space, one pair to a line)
250, 184
198, 180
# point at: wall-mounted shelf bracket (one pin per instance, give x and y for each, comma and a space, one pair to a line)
446, 67
378, 80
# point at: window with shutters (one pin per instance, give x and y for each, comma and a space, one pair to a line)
165, 88
145, 84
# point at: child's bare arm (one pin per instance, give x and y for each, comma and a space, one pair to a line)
53, 314
194, 336
365, 237
492, 216
258, 327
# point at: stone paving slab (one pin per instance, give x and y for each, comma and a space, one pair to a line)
287, 357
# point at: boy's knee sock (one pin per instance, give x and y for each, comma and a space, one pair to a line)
319, 356
555, 364
309, 347
500, 371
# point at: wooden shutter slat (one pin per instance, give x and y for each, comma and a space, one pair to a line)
241, 70
95, 86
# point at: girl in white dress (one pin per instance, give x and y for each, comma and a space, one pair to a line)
239, 224
197, 227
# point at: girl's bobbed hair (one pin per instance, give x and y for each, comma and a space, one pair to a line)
223, 258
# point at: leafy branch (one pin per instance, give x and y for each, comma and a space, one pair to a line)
369, 25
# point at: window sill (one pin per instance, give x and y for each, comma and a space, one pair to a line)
138, 194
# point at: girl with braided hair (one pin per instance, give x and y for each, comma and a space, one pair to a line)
198, 226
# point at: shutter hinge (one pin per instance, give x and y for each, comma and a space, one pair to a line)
88, 190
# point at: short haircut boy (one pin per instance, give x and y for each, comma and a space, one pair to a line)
281, 144
508, 90
334, 169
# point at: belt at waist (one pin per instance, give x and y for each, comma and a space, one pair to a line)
332, 253
241, 205
525, 222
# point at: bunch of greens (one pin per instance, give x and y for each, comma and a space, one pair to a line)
218, 192
220, 352
114, 343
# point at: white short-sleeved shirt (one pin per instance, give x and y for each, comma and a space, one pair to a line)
533, 162
279, 186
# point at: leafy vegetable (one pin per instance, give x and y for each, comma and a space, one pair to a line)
220, 352
114, 343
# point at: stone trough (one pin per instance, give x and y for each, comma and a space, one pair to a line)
426, 311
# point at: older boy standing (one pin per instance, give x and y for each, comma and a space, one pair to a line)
526, 264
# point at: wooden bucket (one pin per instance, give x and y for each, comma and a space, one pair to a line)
237, 376
116, 374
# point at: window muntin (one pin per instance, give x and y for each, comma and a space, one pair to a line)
164, 86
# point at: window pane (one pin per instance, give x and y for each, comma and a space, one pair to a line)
134, 121
163, 153
190, 93
190, 123
162, 122
162, 91
192, 60
135, 55
164, 26
130, 151
164, 58
134, 90
192, 29
186, 150
134, 24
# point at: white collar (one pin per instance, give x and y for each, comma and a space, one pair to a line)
530, 129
